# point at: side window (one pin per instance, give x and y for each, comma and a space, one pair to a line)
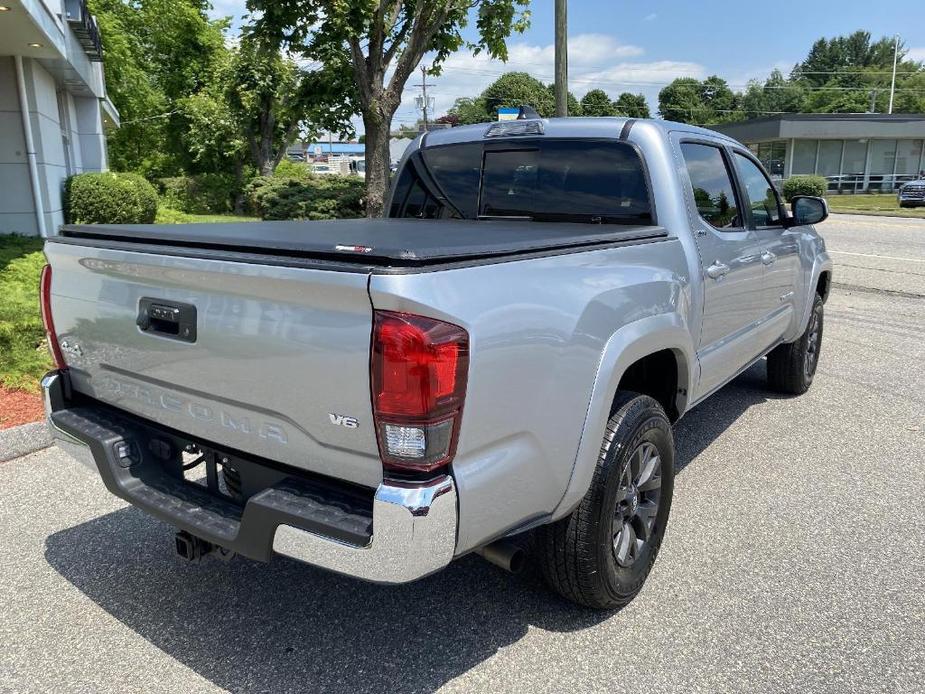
762, 196
413, 199
714, 194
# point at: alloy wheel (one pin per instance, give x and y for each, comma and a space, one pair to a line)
637, 504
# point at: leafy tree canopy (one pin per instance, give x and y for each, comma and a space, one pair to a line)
383, 43
632, 105
845, 74
510, 90
596, 103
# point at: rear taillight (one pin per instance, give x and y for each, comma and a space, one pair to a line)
50, 334
419, 370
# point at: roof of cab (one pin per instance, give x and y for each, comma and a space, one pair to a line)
566, 127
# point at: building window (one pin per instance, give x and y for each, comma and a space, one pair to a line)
772, 155
853, 163
829, 162
882, 156
804, 156
908, 158
882, 161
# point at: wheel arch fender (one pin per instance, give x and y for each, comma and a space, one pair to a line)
626, 346
822, 264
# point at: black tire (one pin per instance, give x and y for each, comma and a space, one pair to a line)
792, 366
578, 554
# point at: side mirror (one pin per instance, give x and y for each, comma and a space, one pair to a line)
808, 209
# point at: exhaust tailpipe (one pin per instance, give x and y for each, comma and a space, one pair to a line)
504, 554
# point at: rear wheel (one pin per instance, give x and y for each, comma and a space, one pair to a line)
791, 367
600, 555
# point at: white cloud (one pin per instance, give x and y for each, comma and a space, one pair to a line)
650, 17
916, 54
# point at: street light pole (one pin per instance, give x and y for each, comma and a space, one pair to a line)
893, 81
561, 58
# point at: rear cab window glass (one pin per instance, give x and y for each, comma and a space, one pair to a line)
763, 200
714, 194
541, 180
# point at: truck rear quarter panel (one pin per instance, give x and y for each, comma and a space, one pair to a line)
538, 332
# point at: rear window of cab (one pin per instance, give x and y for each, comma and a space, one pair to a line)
542, 180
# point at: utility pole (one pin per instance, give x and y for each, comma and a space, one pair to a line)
561, 58
893, 82
422, 100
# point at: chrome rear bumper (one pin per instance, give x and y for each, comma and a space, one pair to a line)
413, 524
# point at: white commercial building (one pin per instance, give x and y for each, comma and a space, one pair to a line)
53, 109
855, 152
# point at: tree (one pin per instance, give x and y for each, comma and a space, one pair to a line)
719, 101
516, 89
468, 111
688, 100
681, 100
255, 105
852, 74
596, 103
380, 38
632, 105
155, 52
574, 105
776, 95
450, 119
274, 100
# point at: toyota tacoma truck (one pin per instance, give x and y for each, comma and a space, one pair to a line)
506, 352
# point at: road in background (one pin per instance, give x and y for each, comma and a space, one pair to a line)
794, 558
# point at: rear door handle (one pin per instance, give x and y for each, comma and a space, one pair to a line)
767, 257
717, 270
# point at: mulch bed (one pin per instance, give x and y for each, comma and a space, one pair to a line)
19, 407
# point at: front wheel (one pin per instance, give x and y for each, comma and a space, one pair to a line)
600, 555
792, 366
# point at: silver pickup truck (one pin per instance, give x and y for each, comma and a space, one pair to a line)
505, 353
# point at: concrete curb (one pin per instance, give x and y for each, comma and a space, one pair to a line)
26, 438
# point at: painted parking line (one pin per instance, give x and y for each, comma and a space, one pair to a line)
881, 257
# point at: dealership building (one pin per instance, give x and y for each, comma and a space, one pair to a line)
53, 109
856, 152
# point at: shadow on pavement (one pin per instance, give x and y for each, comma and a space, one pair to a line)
284, 626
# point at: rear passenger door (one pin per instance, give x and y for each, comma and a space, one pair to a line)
780, 249
730, 264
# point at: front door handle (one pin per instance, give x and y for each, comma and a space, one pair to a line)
717, 270
767, 257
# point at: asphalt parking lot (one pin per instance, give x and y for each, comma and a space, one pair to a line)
794, 559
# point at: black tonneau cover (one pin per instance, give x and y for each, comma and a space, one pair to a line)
388, 242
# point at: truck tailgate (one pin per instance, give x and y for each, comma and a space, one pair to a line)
278, 367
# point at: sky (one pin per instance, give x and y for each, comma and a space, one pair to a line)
642, 46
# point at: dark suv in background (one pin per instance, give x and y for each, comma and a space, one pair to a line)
912, 194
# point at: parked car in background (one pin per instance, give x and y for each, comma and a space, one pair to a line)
358, 167
912, 194
506, 353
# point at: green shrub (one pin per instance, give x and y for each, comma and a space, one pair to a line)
804, 185
109, 198
294, 169
210, 193
315, 197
